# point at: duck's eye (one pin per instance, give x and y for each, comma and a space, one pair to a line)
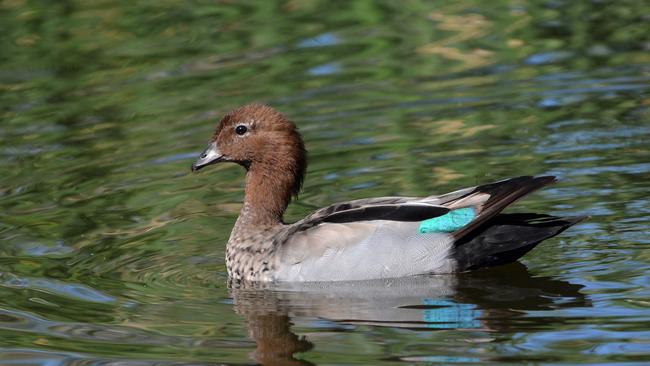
241, 129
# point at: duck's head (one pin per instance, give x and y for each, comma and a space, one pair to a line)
263, 141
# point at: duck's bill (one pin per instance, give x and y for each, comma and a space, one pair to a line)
209, 156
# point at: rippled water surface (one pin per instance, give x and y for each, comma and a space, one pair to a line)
112, 253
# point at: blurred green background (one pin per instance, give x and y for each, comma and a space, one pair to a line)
110, 251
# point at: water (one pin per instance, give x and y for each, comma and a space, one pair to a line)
111, 252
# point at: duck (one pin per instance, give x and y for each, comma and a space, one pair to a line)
363, 239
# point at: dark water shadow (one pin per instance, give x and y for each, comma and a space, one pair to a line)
486, 300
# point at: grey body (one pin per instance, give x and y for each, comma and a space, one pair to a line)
314, 249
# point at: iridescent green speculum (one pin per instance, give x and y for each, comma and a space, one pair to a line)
449, 222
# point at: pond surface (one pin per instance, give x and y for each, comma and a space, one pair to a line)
111, 252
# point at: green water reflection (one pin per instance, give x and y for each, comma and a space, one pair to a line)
110, 251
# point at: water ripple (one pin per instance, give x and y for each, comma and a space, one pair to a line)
51, 286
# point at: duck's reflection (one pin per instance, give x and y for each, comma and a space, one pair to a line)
484, 300
276, 344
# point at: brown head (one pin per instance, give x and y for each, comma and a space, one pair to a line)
263, 141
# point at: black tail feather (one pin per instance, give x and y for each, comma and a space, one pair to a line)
506, 238
503, 194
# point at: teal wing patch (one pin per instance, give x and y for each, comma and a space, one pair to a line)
449, 222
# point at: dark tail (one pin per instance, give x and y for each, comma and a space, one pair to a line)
501, 195
507, 237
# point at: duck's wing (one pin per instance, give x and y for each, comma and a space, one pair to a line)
487, 200
381, 208
381, 237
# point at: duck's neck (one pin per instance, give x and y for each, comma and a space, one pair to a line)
267, 195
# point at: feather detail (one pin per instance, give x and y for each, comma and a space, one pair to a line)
449, 222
